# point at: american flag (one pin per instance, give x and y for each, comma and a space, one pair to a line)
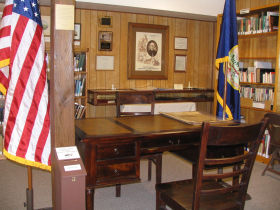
26, 125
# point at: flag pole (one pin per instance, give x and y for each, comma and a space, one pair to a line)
29, 190
225, 66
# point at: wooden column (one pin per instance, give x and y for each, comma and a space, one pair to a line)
61, 86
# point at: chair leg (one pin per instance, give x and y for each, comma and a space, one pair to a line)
149, 169
159, 203
118, 190
271, 161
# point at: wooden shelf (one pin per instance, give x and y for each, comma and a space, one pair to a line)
245, 36
270, 85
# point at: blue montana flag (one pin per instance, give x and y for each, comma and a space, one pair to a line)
227, 62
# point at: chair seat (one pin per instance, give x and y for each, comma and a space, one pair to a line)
179, 195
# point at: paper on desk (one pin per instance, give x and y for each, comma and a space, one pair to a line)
194, 118
67, 153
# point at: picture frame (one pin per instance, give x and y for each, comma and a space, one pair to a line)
180, 64
105, 40
77, 31
148, 49
105, 63
180, 43
105, 21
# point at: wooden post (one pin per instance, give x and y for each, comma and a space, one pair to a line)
61, 81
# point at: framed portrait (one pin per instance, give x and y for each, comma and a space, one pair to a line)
147, 51
105, 39
181, 43
77, 31
180, 63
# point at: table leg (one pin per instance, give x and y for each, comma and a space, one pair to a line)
90, 198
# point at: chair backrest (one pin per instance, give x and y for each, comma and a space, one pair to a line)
273, 128
243, 135
134, 98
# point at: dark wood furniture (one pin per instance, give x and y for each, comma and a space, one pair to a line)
111, 148
207, 190
101, 97
136, 98
274, 145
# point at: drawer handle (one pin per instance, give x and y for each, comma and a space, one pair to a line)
116, 171
116, 151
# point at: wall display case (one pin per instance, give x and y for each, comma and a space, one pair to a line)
101, 97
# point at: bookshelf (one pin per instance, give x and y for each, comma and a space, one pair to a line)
80, 82
259, 46
258, 55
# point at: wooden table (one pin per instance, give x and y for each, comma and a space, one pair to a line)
111, 148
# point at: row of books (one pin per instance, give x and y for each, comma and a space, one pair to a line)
79, 62
257, 75
266, 22
80, 85
257, 94
79, 110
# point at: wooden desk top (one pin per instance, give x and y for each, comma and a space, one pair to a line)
130, 126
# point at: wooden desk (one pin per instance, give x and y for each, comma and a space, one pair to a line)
111, 147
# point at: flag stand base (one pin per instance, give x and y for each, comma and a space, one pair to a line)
29, 199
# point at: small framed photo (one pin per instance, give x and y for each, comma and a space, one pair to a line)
105, 21
77, 31
181, 43
105, 40
180, 63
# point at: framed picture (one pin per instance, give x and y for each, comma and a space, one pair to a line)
181, 43
105, 39
105, 21
105, 63
147, 51
77, 31
180, 63
46, 22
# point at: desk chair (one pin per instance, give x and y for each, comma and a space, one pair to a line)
208, 190
274, 145
139, 98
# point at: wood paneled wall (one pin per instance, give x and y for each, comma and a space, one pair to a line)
200, 53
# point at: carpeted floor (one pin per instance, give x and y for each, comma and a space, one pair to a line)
141, 196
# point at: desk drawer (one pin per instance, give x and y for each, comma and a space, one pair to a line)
112, 171
105, 152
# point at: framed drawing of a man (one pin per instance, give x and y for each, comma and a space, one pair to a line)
147, 51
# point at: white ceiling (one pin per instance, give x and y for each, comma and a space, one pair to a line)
202, 7
191, 9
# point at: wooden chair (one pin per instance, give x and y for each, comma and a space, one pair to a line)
139, 98
274, 146
208, 190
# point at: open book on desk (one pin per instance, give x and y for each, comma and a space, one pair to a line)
194, 118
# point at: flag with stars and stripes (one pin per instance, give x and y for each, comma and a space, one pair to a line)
23, 81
